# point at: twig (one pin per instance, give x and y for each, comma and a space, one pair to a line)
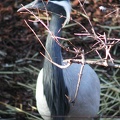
95, 61
79, 78
60, 66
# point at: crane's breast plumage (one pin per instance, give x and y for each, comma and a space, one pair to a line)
88, 99
41, 99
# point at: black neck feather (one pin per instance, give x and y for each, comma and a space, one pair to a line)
53, 79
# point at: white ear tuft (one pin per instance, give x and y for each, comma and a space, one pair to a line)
67, 6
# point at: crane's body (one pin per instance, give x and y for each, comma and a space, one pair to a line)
54, 83
86, 104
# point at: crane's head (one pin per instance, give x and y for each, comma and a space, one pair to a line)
53, 6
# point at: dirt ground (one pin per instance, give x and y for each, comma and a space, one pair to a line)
20, 59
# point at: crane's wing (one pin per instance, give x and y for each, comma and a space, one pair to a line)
88, 98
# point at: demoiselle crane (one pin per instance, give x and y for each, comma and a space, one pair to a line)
56, 85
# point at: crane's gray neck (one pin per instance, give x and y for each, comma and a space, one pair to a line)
53, 79
51, 45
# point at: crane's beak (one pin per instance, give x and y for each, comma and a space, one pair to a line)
37, 4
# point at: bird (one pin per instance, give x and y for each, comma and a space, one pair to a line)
56, 86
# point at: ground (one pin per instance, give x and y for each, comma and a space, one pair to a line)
20, 58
